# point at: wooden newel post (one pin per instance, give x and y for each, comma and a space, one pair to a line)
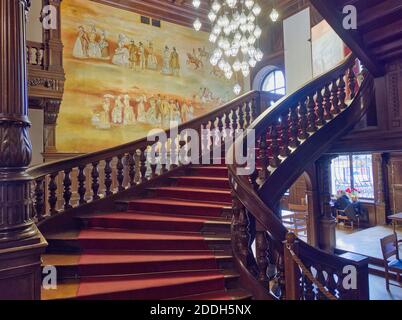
20, 241
292, 272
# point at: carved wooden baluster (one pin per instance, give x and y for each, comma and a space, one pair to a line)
227, 121
342, 93
248, 114
261, 244
243, 235
174, 154
39, 199
154, 164
108, 177
182, 154
143, 168
81, 184
131, 168
303, 120
241, 116
331, 283
120, 173
281, 275
312, 127
275, 150
320, 108
67, 189
264, 157
352, 81
309, 293
321, 279
163, 157
204, 141
294, 127
52, 193
327, 103
235, 120
220, 123
285, 151
95, 181
212, 146
335, 99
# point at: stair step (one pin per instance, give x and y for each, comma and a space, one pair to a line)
145, 286
135, 240
235, 294
201, 181
197, 194
155, 221
172, 206
102, 263
212, 171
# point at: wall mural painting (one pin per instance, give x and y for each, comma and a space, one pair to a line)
125, 78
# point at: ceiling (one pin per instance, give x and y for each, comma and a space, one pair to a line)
183, 12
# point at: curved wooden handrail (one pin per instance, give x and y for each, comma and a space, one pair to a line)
314, 116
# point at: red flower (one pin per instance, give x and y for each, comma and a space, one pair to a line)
348, 190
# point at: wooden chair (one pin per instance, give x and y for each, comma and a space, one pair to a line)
389, 247
341, 217
296, 221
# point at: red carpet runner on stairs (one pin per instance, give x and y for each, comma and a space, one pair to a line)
172, 244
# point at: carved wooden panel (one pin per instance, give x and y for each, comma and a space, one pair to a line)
394, 93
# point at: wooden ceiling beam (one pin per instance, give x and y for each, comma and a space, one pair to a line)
352, 38
384, 12
383, 34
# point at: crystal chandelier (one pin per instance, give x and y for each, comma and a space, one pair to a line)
235, 34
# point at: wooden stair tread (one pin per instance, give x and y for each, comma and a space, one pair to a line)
132, 235
167, 201
112, 257
104, 285
135, 216
193, 189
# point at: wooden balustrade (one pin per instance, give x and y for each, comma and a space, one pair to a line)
291, 134
35, 54
62, 186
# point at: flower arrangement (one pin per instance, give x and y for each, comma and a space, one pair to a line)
352, 193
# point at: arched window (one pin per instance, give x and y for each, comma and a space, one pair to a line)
274, 82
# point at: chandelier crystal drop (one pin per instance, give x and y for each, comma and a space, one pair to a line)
274, 15
234, 35
197, 25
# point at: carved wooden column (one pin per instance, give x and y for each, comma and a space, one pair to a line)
20, 241
327, 228
51, 113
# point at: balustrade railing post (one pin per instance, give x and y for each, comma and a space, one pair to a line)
292, 272
20, 240
261, 246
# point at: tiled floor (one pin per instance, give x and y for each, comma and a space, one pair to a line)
365, 242
379, 292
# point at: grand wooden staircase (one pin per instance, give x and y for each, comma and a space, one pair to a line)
120, 226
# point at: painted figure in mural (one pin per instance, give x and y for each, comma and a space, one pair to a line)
81, 44
104, 45
129, 117
165, 112
117, 113
152, 62
190, 113
133, 52
141, 116
174, 62
151, 113
166, 62
121, 55
158, 109
94, 50
194, 60
141, 51
104, 119
184, 112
